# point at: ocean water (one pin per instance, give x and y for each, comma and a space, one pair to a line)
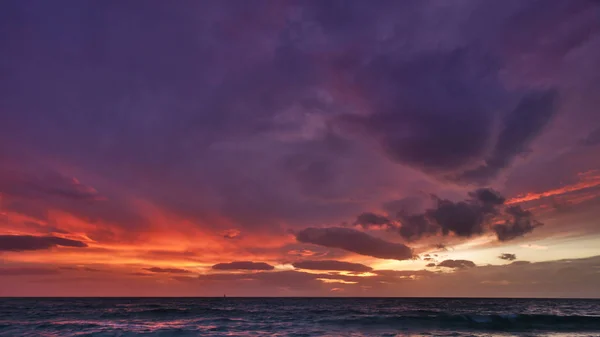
297, 317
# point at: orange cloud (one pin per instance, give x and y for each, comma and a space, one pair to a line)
589, 179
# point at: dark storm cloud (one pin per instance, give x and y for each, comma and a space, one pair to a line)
463, 218
520, 223
366, 219
354, 241
416, 226
243, 265
468, 218
488, 197
424, 107
456, 264
521, 127
436, 111
331, 265
507, 256
167, 270
151, 99
17, 243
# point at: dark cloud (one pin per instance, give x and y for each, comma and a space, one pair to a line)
167, 270
430, 111
201, 131
369, 218
354, 241
416, 226
468, 218
436, 110
488, 197
520, 223
463, 218
430, 265
243, 265
17, 243
456, 264
521, 127
507, 256
331, 265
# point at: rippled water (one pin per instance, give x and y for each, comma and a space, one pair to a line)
297, 317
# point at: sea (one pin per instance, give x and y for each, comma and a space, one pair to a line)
50, 317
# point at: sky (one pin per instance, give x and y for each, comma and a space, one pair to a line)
300, 148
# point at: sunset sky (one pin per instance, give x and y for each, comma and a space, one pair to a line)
300, 148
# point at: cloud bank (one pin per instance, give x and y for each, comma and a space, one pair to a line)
354, 241
243, 265
18, 243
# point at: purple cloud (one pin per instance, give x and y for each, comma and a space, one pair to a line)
456, 264
521, 223
18, 243
334, 109
354, 241
243, 265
